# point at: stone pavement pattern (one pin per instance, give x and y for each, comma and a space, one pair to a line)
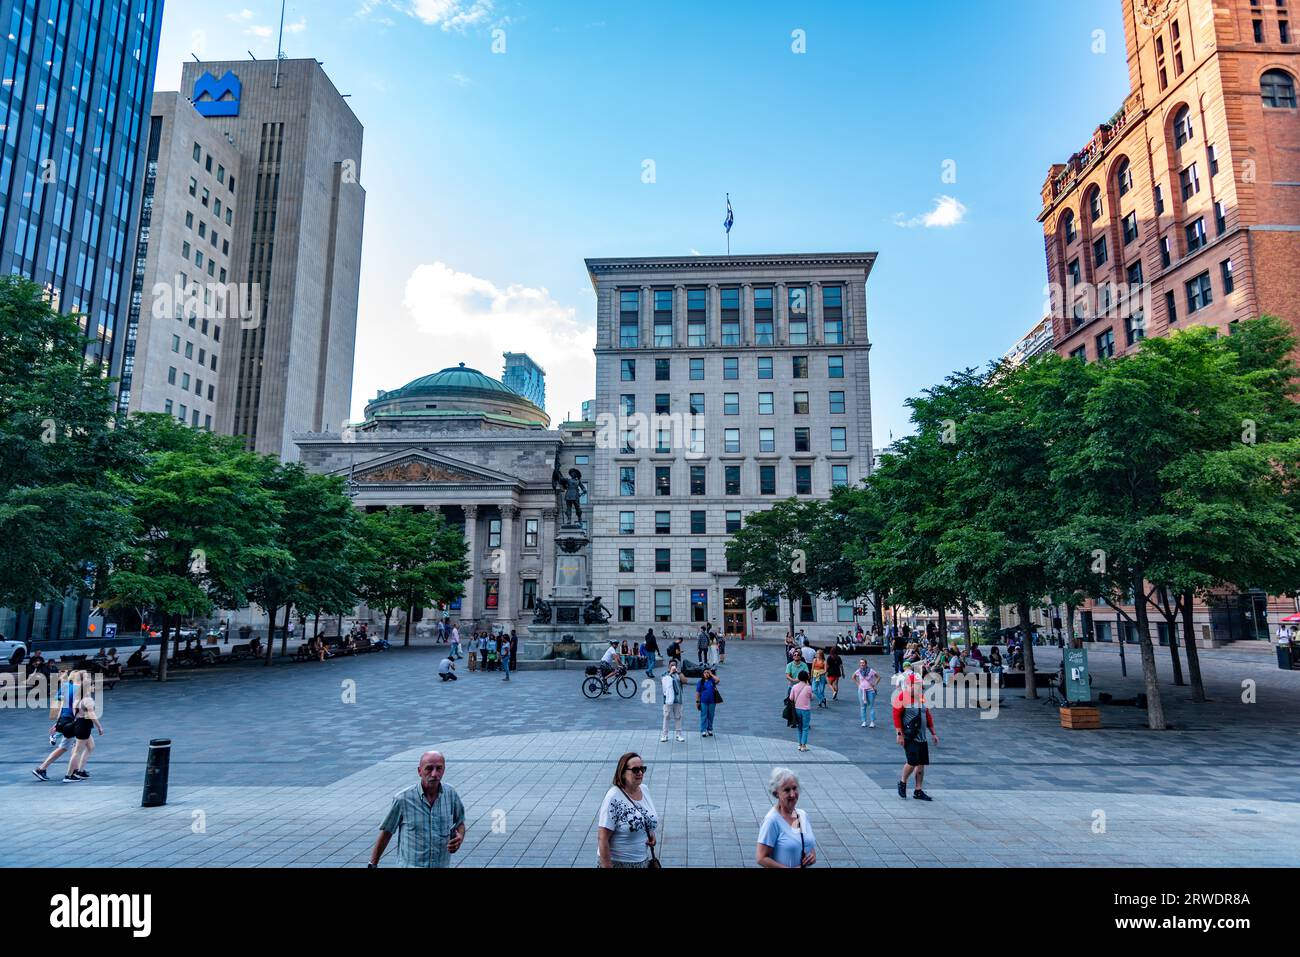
272, 768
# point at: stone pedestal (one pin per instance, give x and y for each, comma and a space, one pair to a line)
567, 634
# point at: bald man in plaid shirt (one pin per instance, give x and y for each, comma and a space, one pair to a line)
428, 818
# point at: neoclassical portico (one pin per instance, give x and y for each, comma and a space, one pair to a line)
464, 445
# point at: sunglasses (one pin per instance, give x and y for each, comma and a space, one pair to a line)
640, 770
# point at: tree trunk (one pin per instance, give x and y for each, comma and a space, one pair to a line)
284, 635
162, 648
1031, 683
790, 599
1172, 628
943, 626
1189, 642
1069, 622
407, 642
965, 624
388, 614
879, 615
270, 633
315, 627
1155, 710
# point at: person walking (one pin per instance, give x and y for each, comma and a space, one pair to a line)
455, 641
899, 646
651, 645
428, 819
62, 734
483, 652
675, 651
867, 680
706, 701
702, 645
785, 838
801, 694
86, 720
627, 822
792, 670
713, 652
819, 678
834, 671
671, 683
911, 721
504, 654
722, 648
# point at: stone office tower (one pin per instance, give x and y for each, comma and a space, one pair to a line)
769, 356
297, 238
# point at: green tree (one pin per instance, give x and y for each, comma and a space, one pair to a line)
770, 553
411, 560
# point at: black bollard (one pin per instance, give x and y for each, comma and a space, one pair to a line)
155, 773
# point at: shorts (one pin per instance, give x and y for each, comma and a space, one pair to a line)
81, 730
918, 752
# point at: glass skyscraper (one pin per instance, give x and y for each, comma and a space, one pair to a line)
75, 95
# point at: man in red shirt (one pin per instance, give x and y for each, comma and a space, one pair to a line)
911, 719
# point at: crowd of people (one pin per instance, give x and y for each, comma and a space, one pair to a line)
484, 650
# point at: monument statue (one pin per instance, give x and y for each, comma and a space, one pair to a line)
572, 489
595, 613
542, 614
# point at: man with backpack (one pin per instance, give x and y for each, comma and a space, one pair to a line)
911, 721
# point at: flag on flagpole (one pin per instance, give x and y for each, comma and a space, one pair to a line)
730, 217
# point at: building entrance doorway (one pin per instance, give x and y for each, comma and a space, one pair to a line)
734, 616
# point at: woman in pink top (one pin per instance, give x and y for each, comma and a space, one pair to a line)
801, 694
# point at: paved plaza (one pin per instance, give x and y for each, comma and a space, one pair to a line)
273, 767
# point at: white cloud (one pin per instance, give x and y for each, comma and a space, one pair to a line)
460, 317
948, 211
460, 79
260, 31
296, 27
451, 14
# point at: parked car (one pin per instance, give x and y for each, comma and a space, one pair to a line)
13, 651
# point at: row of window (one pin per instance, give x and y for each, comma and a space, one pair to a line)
731, 445
699, 607
209, 234
731, 479
731, 403
699, 519
207, 165
189, 352
763, 368
186, 413
185, 381
661, 301
663, 560
199, 259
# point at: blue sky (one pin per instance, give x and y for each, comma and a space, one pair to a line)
491, 175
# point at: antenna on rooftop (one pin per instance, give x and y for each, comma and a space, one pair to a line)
279, 48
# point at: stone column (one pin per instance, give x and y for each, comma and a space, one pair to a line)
747, 314
679, 315
468, 601
508, 577
849, 294
615, 317
546, 548
816, 334
647, 317
781, 319
713, 317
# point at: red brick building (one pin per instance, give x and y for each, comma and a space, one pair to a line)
1184, 208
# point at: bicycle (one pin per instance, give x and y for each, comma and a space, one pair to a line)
595, 685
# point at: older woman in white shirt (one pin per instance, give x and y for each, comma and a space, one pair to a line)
785, 838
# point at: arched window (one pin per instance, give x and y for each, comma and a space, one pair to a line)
1094, 204
1182, 126
1277, 89
1124, 177
1067, 221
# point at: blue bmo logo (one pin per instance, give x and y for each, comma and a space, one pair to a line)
213, 97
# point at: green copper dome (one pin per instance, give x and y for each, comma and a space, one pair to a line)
455, 379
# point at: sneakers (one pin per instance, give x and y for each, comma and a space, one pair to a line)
40, 775
81, 775
921, 796
872, 725
864, 724
680, 738
663, 739
902, 790
704, 734
70, 779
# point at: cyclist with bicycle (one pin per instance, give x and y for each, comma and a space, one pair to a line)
610, 662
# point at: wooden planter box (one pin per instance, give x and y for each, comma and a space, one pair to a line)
1079, 718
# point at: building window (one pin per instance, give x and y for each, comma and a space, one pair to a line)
1094, 205
806, 610
663, 370
731, 403
1130, 228
697, 370
1191, 182
1071, 232
1171, 310
763, 332
1080, 353
1135, 328
1076, 274
733, 521
839, 439
1199, 294
697, 441
663, 318
835, 367
663, 523
1195, 233
1220, 218
697, 403
627, 480
800, 403
767, 480
765, 404
765, 367
767, 440
803, 480
1159, 195
731, 480
1213, 158
699, 521
837, 403
494, 533
663, 480
629, 442
1284, 31
530, 532
1124, 178
731, 441
698, 473
1258, 27
663, 441
530, 594
1277, 87
696, 328
699, 560
171, 375
730, 303
627, 523
833, 315
1164, 251
627, 370
663, 604
194, 186
839, 475
1106, 345
1225, 268
802, 442
731, 368
627, 404
1134, 274
799, 367
1183, 126
629, 319
1099, 251
626, 604
797, 297
662, 403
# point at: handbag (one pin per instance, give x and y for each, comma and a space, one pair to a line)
787, 712
653, 863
